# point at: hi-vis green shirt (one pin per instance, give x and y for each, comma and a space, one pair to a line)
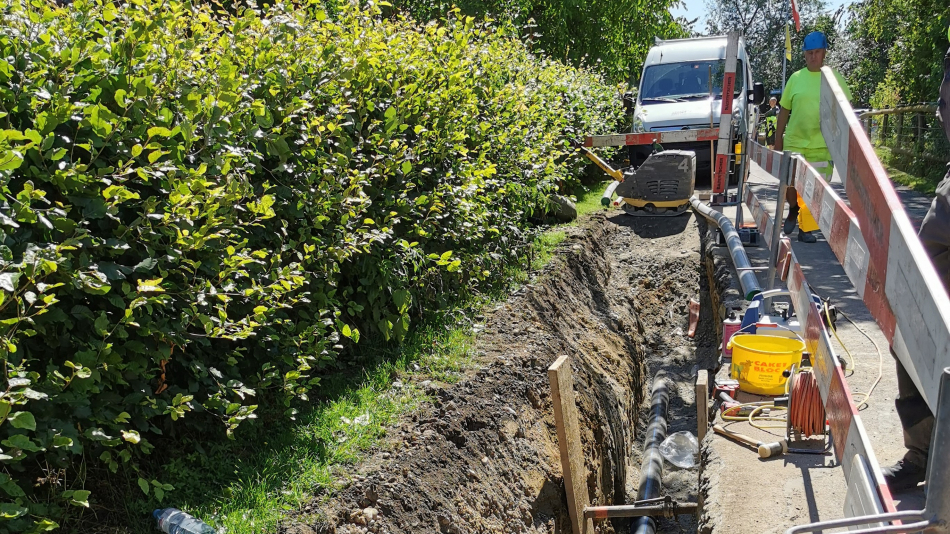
801, 97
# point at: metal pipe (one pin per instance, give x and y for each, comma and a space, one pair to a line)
937, 507
786, 170
911, 515
632, 510
747, 280
651, 467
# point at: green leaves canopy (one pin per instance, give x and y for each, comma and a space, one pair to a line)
198, 206
897, 50
611, 36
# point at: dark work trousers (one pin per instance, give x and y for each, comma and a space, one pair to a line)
916, 417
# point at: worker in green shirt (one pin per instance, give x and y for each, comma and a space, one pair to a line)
799, 130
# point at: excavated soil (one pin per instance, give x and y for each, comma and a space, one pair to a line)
483, 455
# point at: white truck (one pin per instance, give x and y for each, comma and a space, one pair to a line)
681, 89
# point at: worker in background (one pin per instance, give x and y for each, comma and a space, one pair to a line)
771, 119
798, 128
916, 418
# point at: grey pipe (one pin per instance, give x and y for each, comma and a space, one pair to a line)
747, 279
651, 468
609, 193
786, 171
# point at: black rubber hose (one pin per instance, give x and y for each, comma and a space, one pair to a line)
747, 280
651, 468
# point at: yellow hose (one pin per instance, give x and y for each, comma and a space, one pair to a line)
756, 408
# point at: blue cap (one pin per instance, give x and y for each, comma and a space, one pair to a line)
814, 41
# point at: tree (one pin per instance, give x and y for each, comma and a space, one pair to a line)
862, 59
898, 47
612, 36
762, 22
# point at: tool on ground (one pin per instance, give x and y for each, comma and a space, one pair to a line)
662, 185
724, 393
765, 450
806, 413
659, 507
728, 406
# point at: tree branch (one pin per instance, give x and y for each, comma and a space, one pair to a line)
752, 18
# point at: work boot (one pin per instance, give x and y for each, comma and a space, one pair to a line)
903, 475
807, 237
790, 221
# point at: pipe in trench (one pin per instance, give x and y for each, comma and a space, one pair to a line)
651, 468
747, 279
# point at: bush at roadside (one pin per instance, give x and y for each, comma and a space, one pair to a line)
199, 206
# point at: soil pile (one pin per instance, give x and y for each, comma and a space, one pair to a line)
483, 456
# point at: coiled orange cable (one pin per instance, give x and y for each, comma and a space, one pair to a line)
806, 412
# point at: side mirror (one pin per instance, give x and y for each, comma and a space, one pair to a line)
629, 101
758, 94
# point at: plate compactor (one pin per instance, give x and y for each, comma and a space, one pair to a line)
661, 186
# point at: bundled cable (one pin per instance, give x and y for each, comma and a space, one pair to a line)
806, 412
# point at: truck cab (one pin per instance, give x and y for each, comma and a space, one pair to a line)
681, 89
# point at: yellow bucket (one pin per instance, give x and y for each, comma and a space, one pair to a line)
758, 362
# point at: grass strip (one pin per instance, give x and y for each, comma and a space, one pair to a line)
906, 171
278, 470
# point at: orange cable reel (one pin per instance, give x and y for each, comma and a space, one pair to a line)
806, 413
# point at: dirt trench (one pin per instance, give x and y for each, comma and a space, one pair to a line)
482, 457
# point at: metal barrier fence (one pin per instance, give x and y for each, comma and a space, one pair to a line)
867, 494
873, 239
913, 131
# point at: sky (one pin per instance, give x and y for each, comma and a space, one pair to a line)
697, 8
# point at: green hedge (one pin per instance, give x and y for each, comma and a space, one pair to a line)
200, 206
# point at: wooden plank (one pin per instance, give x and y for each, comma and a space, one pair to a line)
702, 403
569, 443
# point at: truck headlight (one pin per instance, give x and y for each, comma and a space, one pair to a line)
638, 124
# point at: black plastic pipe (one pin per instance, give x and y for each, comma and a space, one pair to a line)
747, 280
651, 468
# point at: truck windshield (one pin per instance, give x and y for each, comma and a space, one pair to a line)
685, 81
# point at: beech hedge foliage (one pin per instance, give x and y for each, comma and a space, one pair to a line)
199, 205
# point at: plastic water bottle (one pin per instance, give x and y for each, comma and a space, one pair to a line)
174, 521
